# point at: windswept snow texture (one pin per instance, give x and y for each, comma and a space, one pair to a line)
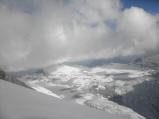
44, 90
18, 102
106, 88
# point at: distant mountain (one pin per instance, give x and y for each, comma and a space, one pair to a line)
27, 72
151, 61
100, 62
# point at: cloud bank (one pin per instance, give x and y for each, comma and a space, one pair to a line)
36, 33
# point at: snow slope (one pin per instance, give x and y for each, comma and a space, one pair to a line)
17, 102
93, 87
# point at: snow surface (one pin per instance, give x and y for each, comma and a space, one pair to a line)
18, 102
43, 90
93, 87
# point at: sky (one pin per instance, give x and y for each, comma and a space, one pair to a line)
38, 33
151, 6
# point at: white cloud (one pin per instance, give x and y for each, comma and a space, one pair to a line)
38, 33
138, 31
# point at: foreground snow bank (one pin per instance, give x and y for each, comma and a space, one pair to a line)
21, 103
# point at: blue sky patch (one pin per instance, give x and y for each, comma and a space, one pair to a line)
151, 6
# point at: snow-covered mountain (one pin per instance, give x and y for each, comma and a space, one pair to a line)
115, 88
127, 87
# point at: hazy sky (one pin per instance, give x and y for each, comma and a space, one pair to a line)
35, 33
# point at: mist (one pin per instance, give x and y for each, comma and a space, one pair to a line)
37, 33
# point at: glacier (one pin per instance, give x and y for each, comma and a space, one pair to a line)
105, 88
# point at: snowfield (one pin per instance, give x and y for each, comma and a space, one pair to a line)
43, 90
105, 88
18, 102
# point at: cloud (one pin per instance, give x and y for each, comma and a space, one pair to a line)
38, 33
138, 30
